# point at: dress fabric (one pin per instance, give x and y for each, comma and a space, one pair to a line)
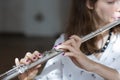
62, 68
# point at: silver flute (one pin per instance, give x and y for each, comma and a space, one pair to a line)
16, 70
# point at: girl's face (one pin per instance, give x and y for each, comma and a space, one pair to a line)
108, 10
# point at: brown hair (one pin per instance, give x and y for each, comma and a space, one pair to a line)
82, 21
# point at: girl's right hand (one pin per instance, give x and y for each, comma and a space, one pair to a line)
28, 59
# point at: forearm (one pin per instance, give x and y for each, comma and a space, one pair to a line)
102, 70
106, 72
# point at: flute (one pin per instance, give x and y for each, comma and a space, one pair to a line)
15, 71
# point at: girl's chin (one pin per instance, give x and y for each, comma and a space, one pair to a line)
111, 20
114, 19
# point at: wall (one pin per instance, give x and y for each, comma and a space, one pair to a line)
11, 12
33, 17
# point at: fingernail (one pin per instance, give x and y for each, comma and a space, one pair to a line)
36, 51
55, 46
40, 54
63, 54
34, 57
59, 43
27, 60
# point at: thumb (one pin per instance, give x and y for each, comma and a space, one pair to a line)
17, 62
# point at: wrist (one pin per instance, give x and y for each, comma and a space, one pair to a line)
89, 65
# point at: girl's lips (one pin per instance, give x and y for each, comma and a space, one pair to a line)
116, 15
116, 18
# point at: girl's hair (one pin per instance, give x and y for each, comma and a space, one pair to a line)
83, 21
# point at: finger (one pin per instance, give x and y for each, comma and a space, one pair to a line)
70, 42
30, 56
69, 54
37, 54
25, 61
17, 62
66, 48
38, 66
66, 42
77, 38
32, 73
74, 43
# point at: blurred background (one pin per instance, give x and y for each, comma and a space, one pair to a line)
29, 25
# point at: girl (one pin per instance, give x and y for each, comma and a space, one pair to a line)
95, 59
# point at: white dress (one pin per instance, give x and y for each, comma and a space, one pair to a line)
62, 68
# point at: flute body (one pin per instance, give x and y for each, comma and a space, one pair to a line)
52, 53
22, 68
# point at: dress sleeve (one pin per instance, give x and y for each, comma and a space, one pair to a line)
53, 67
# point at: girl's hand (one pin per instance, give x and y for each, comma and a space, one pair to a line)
29, 58
72, 49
